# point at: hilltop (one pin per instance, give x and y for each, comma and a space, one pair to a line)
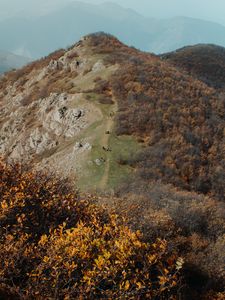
204, 62
127, 123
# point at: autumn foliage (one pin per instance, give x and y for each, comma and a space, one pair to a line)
176, 110
205, 62
182, 122
55, 245
179, 118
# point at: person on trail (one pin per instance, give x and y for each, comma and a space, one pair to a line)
106, 149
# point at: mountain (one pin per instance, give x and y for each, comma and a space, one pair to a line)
37, 32
132, 126
40, 35
9, 61
63, 96
178, 32
205, 62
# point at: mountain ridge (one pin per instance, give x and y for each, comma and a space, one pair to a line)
9, 61
43, 33
102, 59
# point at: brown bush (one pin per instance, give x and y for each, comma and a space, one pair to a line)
192, 222
105, 100
72, 55
86, 71
55, 245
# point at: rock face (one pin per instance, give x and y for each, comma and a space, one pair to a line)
44, 112
43, 125
59, 118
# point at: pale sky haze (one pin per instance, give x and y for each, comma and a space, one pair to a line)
212, 10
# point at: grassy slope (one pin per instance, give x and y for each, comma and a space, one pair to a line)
109, 174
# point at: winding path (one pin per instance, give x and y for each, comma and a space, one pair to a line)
105, 142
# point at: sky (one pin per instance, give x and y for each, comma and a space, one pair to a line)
212, 10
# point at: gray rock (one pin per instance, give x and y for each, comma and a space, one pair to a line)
98, 162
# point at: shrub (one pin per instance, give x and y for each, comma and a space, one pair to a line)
105, 100
86, 71
55, 245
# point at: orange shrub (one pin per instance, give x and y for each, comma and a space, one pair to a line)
54, 245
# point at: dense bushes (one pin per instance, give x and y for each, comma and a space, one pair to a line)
193, 222
181, 120
205, 62
54, 245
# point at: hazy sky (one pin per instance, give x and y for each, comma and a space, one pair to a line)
213, 10
206, 9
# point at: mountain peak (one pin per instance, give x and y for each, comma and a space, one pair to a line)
101, 39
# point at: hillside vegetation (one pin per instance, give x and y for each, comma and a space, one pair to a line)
128, 124
179, 119
56, 245
204, 62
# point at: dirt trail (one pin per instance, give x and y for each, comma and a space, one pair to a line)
105, 142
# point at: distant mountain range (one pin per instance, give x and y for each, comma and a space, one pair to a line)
38, 35
10, 61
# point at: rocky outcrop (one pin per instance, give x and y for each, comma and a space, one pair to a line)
44, 125
45, 117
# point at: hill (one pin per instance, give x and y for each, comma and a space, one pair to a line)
127, 123
9, 61
36, 32
63, 97
178, 32
204, 62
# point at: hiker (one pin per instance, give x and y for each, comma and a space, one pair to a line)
107, 149
77, 63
